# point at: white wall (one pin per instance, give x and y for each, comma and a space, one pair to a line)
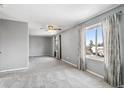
40, 46
95, 66
70, 45
14, 45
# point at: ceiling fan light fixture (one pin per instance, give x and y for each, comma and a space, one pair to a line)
50, 28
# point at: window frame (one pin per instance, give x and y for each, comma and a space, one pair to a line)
95, 57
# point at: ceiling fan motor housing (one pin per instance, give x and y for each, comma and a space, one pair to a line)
50, 27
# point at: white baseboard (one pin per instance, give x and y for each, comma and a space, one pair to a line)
10, 70
95, 74
69, 63
42, 56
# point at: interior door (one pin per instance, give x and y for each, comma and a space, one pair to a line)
2, 51
13, 45
0, 42
60, 43
6, 39
58, 47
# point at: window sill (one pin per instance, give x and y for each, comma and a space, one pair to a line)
95, 58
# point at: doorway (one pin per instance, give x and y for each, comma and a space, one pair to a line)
57, 47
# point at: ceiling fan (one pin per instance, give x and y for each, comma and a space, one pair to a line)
51, 28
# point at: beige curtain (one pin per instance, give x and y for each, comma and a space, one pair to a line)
112, 50
82, 64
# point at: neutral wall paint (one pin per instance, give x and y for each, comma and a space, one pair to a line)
70, 45
40, 46
14, 45
74, 46
92, 65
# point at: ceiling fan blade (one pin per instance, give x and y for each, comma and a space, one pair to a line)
44, 29
57, 29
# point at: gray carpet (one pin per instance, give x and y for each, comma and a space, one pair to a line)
47, 72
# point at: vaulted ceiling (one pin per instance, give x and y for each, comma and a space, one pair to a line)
61, 15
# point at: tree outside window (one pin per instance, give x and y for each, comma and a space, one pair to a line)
94, 42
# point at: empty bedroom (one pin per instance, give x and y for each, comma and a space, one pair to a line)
61, 45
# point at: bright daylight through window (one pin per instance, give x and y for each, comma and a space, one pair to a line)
94, 42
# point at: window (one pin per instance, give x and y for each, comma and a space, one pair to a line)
94, 42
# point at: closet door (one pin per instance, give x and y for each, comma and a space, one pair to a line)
0, 43
8, 45
13, 45
2, 51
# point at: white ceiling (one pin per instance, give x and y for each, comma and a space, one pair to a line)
61, 15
